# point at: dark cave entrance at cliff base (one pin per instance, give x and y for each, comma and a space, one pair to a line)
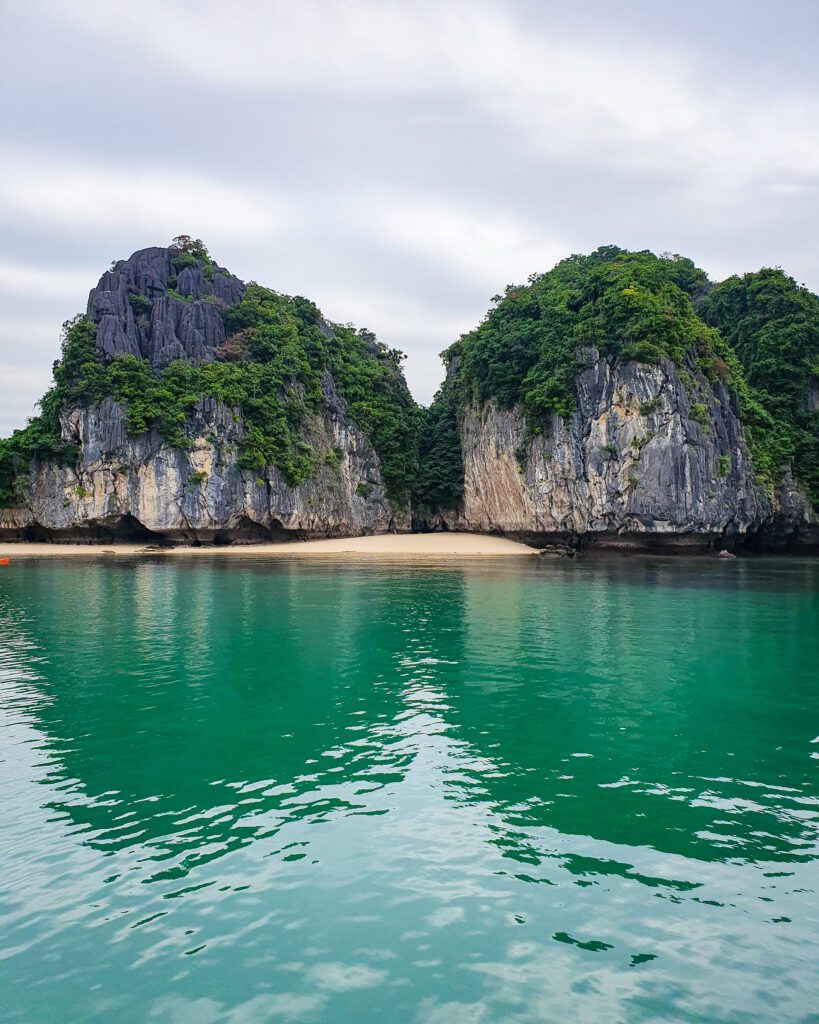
124, 530
248, 532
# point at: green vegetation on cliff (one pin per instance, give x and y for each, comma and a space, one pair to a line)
772, 325
271, 369
78, 378
439, 483
534, 341
758, 335
629, 305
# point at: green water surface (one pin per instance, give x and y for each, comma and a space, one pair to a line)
490, 791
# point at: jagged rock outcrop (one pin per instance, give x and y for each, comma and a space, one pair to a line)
173, 328
634, 467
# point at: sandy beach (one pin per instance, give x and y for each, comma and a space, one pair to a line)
391, 545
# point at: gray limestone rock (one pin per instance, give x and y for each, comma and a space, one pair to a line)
170, 327
138, 486
640, 463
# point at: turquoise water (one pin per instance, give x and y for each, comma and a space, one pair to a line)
497, 791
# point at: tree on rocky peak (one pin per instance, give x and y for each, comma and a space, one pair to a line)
184, 243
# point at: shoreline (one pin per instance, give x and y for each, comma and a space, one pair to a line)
387, 545
376, 547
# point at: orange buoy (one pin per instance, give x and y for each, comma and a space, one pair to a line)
4, 561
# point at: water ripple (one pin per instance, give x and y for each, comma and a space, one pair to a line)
235, 792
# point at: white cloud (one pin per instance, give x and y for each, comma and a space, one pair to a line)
487, 248
566, 96
44, 283
20, 332
22, 387
152, 202
390, 316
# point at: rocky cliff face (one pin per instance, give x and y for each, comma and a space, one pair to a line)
139, 488
175, 328
125, 486
639, 464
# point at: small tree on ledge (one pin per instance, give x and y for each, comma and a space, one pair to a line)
194, 246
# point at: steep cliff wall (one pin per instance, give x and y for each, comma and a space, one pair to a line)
140, 487
632, 467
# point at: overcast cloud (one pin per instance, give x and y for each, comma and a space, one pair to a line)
398, 163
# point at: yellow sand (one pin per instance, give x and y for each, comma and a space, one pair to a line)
390, 545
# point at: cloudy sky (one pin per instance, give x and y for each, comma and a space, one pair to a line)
398, 163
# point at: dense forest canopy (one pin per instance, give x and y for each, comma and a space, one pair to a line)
773, 326
629, 305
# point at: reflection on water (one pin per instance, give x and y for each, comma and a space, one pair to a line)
493, 791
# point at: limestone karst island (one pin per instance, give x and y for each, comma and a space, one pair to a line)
409, 574
620, 400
